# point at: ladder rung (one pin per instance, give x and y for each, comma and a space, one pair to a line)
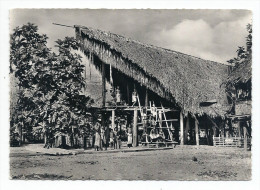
170, 120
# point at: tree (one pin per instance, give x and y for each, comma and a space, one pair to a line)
27, 50
49, 84
242, 53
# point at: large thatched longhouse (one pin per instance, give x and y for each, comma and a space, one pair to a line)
188, 84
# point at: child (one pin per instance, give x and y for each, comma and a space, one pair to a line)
129, 138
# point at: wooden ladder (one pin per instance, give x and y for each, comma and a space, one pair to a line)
168, 128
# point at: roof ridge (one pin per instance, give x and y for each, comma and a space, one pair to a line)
145, 44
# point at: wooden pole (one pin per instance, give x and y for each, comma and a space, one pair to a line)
135, 129
103, 85
245, 137
197, 132
181, 129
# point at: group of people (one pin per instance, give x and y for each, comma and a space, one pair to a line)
108, 137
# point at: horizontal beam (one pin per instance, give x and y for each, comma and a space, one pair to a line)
132, 108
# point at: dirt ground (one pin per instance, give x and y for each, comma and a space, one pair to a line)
180, 163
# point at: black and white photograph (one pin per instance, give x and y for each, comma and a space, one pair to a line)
130, 94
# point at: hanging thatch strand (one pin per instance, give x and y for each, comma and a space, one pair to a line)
180, 78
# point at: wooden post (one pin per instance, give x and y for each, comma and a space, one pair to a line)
128, 93
186, 130
239, 128
103, 97
103, 85
181, 129
197, 132
135, 129
113, 119
20, 134
208, 135
45, 138
245, 137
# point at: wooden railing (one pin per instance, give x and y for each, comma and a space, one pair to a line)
230, 141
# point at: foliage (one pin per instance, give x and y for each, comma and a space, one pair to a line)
242, 53
50, 84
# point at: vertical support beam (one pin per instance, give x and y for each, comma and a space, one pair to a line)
113, 119
239, 129
135, 129
197, 132
103, 96
214, 131
85, 78
245, 137
187, 127
146, 98
181, 129
21, 134
128, 93
103, 85
207, 134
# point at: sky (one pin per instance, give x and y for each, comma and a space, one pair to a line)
208, 34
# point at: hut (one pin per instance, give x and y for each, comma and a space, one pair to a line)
238, 87
185, 90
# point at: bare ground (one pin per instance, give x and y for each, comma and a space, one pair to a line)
180, 163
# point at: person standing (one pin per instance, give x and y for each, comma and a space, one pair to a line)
129, 138
115, 138
103, 138
111, 138
97, 139
119, 138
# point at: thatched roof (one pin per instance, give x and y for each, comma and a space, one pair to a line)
241, 73
185, 79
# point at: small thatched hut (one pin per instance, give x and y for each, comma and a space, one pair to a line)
239, 87
186, 83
